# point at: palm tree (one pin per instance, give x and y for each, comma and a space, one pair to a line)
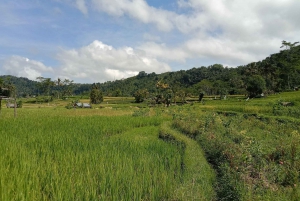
58, 83
47, 84
68, 87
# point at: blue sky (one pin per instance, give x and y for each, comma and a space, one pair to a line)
101, 40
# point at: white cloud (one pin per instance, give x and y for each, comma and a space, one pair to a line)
243, 19
99, 62
80, 4
137, 9
228, 31
24, 67
163, 52
217, 31
96, 62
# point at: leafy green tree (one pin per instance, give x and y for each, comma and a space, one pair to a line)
163, 94
117, 93
96, 95
7, 89
175, 87
10, 88
68, 87
59, 83
290, 59
220, 88
140, 95
182, 93
45, 84
48, 83
1, 82
141, 74
288, 45
204, 86
255, 85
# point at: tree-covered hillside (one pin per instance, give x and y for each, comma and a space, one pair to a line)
278, 72
23, 86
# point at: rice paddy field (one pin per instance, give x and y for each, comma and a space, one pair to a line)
229, 149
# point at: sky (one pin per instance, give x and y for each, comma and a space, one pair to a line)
105, 40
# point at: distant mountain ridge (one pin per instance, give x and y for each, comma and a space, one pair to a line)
279, 72
22, 84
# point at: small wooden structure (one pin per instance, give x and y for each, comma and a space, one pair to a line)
10, 105
86, 105
83, 105
4, 95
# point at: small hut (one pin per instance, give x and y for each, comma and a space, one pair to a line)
86, 105
5, 95
10, 105
82, 105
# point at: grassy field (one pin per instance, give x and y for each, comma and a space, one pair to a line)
254, 146
229, 149
65, 157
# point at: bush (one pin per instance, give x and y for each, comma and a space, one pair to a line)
140, 95
19, 104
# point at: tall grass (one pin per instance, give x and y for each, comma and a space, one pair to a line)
270, 105
198, 177
113, 152
255, 158
49, 157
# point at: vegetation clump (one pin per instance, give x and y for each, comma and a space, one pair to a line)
253, 159
96, 95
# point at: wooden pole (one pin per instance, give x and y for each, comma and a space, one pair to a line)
15, 108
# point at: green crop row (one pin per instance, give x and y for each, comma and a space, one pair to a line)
50, 157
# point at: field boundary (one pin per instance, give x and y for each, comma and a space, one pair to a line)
198, 176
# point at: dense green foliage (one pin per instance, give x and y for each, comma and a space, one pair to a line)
254, 146
23, 85
255, 85
96, 96
279, 72
140, 95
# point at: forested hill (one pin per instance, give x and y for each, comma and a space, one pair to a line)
278, 72
23, 85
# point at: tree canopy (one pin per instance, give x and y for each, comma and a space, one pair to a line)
96, 95
280, 72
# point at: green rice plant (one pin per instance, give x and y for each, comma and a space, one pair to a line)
141, 112
47, 156
198, 178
